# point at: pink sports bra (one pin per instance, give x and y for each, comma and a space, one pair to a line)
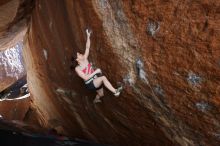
88, 69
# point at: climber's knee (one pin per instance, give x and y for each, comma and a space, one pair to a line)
104, 78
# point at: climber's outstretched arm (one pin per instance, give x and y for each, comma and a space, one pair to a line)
88, 33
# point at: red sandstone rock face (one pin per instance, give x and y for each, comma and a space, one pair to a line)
15, 109
12, 29
165, 53
13, 21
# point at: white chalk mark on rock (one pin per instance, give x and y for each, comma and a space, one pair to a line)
45, 53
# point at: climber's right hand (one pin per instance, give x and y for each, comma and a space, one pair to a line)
88, 32
98, 70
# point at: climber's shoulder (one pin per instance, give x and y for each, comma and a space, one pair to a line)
77, 68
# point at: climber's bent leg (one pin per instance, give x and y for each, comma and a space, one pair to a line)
98, 82
100, 92
97, 99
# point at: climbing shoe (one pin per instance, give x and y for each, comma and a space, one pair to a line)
96, 100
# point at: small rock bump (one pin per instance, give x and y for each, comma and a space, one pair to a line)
194, 79
158, 90
203, 106
141, 73
128, 79
152, 27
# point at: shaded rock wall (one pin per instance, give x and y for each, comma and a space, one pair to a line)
165, 53
13, 24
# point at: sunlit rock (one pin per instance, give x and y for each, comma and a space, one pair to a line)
11, 66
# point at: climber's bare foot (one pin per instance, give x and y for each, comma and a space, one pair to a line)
96, 100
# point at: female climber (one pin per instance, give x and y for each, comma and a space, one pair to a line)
92, 78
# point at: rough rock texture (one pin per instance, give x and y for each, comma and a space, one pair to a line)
13, 21
11, 66
15, 109
13, 25
12, 30
165, 53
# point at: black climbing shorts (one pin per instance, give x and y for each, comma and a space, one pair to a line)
90, 85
